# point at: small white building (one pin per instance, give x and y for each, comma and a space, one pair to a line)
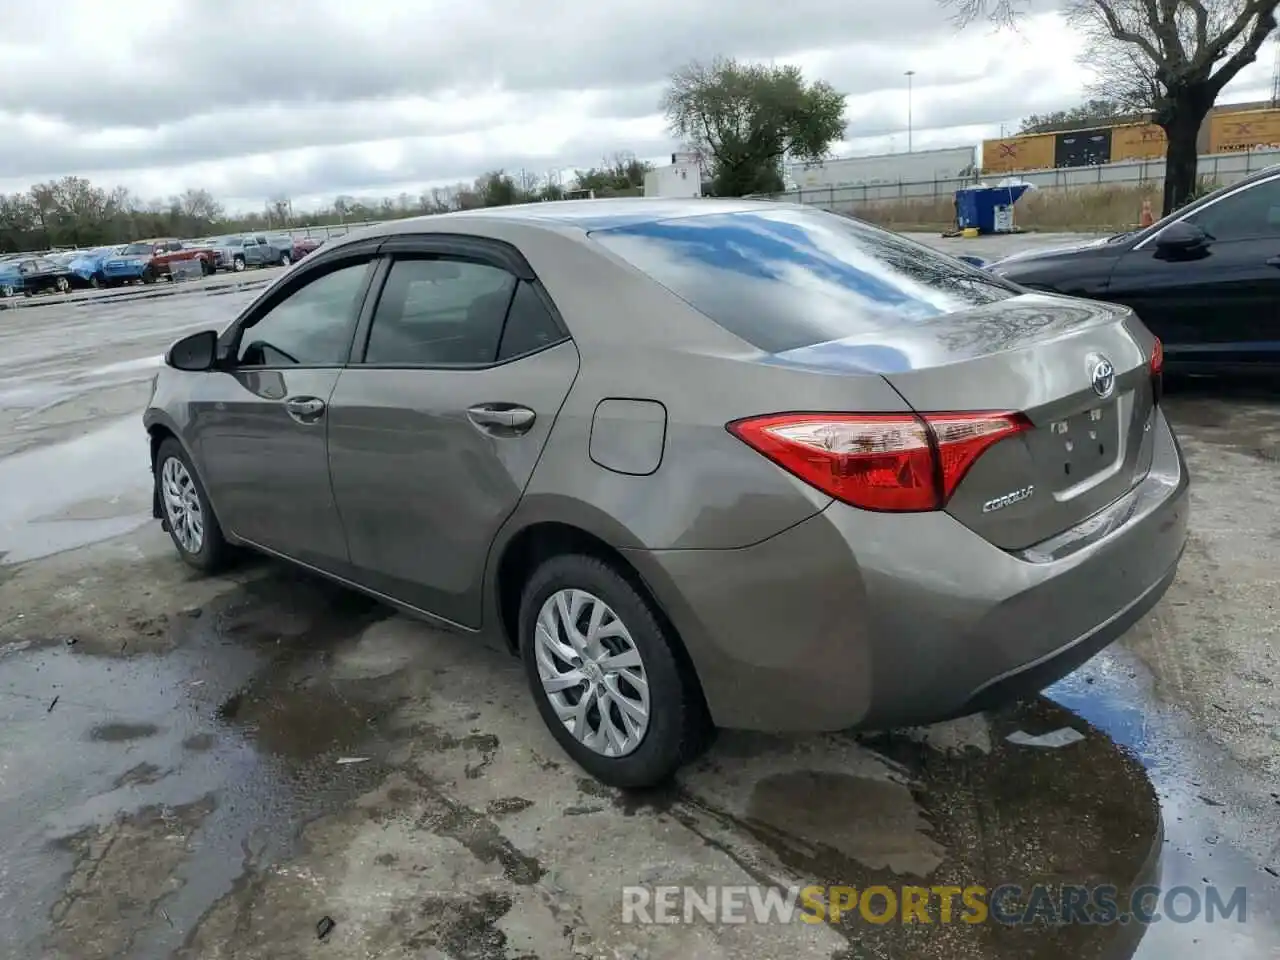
682, 179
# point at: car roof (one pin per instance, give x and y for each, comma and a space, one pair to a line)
584, 215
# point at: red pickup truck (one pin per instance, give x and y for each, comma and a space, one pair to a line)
171, 251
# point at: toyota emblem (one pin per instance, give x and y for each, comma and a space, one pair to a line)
1103, 376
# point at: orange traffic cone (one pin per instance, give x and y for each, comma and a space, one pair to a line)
1147, 219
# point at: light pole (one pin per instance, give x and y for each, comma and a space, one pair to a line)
910, 74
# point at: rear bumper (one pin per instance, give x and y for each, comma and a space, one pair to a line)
853, 618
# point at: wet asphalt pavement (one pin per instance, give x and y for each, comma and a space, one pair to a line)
207, 767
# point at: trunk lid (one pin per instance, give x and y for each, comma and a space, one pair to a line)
1047, 357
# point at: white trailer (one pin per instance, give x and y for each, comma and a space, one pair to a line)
918, 166
682, 179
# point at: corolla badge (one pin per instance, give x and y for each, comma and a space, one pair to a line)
1102, 375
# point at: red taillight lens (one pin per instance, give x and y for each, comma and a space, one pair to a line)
1157, 370
886, 462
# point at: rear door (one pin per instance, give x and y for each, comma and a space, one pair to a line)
1219, 305
261, 420
436, 425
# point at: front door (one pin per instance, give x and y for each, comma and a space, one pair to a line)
436, 426
1219, 304
261, 422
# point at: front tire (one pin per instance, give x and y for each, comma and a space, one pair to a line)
605, 674
238, 265
148, 275
188, 516
62, 285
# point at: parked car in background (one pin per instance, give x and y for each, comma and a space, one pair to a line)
239, 252
1205, 279
305, 245
86, 265
151, 260
700, 463
33, 275
290, 249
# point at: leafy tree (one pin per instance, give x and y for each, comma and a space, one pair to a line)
1091, 112
748, 118
621, 175
1169, 57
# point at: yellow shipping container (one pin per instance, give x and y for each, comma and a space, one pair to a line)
1247, 130
1138, 141
1016, 154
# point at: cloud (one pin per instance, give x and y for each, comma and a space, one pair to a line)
257, 99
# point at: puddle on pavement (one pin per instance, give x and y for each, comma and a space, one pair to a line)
1212, 810
72, 494
208, 760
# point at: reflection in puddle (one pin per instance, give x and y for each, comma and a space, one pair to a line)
1206, 802
135, 754
71, 494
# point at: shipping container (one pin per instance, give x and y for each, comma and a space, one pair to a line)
1082, 148
1247, 130
918, 166
1138, 141
1016, 154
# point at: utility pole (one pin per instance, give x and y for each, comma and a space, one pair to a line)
910, 74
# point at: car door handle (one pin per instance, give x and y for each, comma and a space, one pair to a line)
504, 417
305, 409
1274, 262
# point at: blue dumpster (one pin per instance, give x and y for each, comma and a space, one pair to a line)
989, 209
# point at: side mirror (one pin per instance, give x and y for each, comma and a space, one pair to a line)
194, 353
1181, 237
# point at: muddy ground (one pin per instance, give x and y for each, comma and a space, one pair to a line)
209, 767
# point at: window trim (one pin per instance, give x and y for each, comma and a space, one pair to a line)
461, 249
340, 258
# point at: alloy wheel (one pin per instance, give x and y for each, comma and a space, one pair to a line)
592, 672
182, 505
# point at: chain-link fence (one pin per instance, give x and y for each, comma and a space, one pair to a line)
1219, 169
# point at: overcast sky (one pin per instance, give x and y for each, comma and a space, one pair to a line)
324, 97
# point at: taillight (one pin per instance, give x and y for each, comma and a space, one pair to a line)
888, 462
1157, 370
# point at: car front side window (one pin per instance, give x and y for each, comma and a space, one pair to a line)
312, 326
436, 312
1251, 214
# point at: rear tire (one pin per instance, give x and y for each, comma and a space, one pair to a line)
610, 744
148, 275
285, 260
188, 516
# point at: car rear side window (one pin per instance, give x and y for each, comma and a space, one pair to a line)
437, 312
530, 325
787, 278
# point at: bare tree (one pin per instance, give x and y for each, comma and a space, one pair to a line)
1169, 57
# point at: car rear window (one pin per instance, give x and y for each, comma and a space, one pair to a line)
787, 278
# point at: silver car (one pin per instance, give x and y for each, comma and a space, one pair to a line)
699, 463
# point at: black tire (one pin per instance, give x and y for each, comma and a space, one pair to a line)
214, 552
207, 269
148, 275
238, 265
96, 281
285, 260
679, 727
